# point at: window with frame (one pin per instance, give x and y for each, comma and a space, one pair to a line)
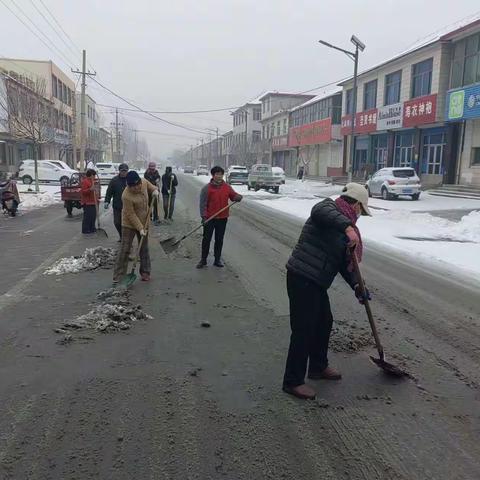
257, 114
432, 154
380, 151
285, 126
404, 150
476, 156
272, 130
466, 62
393, 83
349, 102
54, 86
370, 95
422, 78
278, 128
256, 136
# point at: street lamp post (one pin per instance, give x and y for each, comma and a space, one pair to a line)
359, 46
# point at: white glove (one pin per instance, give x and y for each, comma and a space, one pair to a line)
156, 193
143, 233
106, 205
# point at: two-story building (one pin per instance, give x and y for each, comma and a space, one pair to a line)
276, 108
463, 101
400, 117
315, 137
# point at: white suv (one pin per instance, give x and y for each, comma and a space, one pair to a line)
47, 171
106, 171
391, 182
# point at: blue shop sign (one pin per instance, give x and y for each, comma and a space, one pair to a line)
463, 103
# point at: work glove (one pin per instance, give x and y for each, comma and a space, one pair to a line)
362, 296
156, 193
143, 233
106, 205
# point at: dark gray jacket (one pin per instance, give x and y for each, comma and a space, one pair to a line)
115, 189
321, 251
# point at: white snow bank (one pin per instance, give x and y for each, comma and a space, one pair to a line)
30, 201
91, 259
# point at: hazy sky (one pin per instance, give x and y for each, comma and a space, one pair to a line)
204, 54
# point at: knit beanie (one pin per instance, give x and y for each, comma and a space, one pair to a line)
133, 178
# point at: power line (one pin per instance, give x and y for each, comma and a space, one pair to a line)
167, 134
173, 112
146, 111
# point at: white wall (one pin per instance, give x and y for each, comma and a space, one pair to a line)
470, 175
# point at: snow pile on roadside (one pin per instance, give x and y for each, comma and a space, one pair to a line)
91, 259
30, 201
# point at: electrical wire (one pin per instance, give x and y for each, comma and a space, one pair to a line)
173, 112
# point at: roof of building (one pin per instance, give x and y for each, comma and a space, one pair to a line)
283, 94
443, 34
317, 98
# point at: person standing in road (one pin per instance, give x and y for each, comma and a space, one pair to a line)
88, 200
135, 204
169, 191
323, 250
213, 197
115, 190
151, 174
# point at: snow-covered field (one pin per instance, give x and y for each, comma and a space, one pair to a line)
430, 238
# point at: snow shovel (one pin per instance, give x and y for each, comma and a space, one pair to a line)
169, 245
101, 231
388, 368
132, 276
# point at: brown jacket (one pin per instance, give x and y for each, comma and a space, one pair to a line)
135, 206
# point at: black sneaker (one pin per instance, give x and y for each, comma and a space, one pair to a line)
218, 263
201, 264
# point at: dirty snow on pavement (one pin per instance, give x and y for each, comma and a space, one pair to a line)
29, 200
91, 259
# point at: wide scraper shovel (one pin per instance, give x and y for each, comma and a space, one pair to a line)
169, 245
100, 230
388, 368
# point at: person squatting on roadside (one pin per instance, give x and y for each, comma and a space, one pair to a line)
135, 200
88, 200
323, 250
115, 190
169, 191
213, 197
153, 176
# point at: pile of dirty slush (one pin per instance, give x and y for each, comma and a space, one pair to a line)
115, 312
92, 258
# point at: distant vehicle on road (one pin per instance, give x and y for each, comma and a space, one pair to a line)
280, 173
391, 182
106, 171
237, 174
188, 169
261, 176
47, 171
202, 170
71, 192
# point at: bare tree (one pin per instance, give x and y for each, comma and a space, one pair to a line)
27, 114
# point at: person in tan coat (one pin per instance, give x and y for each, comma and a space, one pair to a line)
134, 219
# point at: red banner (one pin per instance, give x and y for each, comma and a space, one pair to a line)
366, 122
420, 110
311, 134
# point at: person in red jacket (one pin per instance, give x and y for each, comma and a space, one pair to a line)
213, 197
87, 199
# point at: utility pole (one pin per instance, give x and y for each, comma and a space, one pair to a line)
117, 134
246, 136
83, 107
218, 154
136, 147
203, 155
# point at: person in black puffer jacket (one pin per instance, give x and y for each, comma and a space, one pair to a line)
323, 251
151, 174
114, 191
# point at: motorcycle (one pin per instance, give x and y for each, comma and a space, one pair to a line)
9, 197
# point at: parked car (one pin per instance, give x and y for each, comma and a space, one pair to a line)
188, 169
237, 174
47, 172
106, 171
391, 182
202, 170
280, 173
261, 176
59, 164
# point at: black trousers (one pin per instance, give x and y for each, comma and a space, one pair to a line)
117, 220
217, 225
89, 218
311, 323
168, 213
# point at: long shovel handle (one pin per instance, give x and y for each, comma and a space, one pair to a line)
366, 304
205, 222
170, 195
140, 243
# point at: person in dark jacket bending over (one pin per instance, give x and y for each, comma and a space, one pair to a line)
151, 174
115, 189
213, 197
323, 250
169, 190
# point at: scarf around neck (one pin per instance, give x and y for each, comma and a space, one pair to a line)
346, 209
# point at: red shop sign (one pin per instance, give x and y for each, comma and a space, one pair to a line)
311, 134
366, 122
420, 110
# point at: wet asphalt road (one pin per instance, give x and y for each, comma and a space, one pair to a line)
169, 399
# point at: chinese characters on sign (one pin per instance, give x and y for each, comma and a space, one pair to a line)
390, 117
420, 111
311, 134
463, 104
365, 122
